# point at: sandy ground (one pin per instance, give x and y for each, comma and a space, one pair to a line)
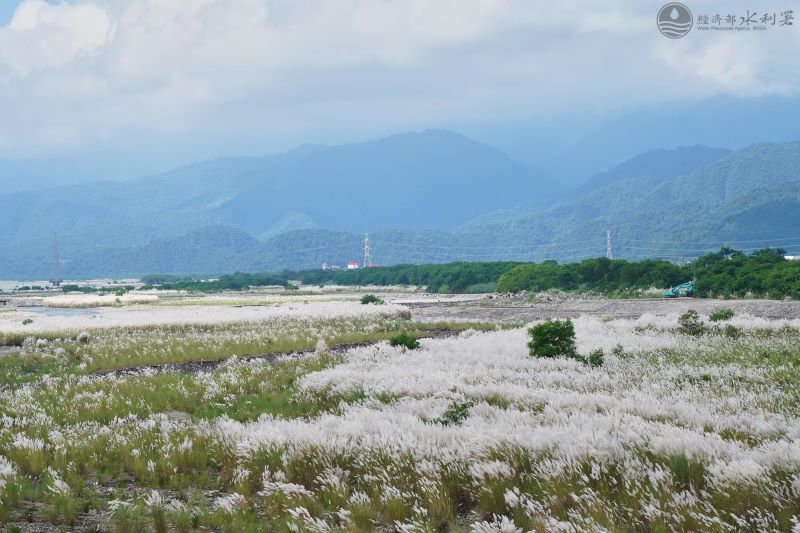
228, 307
143, 315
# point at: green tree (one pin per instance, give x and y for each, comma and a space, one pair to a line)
553, 338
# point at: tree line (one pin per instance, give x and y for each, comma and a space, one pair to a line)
726, 273
460, 277
227, 282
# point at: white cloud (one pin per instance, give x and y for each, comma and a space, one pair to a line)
741, 65
105, 68
44, 36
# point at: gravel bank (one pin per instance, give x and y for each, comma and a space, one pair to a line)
504, 311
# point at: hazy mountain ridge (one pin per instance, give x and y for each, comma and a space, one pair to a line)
660, 164
650, 210
434, 179
368, 186
575, 146
172, 224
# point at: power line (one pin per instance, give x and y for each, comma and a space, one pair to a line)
717, 242
563, 250
675, 250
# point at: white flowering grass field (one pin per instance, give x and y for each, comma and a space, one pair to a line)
467, 433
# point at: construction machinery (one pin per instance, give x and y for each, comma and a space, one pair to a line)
684, 289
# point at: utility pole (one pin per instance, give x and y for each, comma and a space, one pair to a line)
608, 245
55, 278
367, 260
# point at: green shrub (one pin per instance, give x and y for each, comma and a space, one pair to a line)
597, 357
720, 315
455, 414
732, 332
404, 339
552, 338
371, 299
27, 321
689, 323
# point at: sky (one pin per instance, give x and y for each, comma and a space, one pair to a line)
165, 81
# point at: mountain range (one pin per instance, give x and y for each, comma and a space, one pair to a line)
423, 197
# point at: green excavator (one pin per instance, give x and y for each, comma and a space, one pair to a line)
684, 289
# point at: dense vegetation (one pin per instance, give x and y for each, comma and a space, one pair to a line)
732, 273
449, 278
727, 273
229, 282
599, 274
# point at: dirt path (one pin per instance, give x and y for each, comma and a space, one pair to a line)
207, 365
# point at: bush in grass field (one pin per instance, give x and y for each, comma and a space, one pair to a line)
689, 323
455, 414
371, 299
556, 338
406, 340
721, 315
732, 332
596, 358
553, 338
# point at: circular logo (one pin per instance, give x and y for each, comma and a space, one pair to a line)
674, 20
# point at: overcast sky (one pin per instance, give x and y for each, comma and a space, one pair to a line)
253, 76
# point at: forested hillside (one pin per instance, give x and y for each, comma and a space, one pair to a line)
229, 220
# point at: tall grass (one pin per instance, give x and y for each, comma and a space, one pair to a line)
674, 432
